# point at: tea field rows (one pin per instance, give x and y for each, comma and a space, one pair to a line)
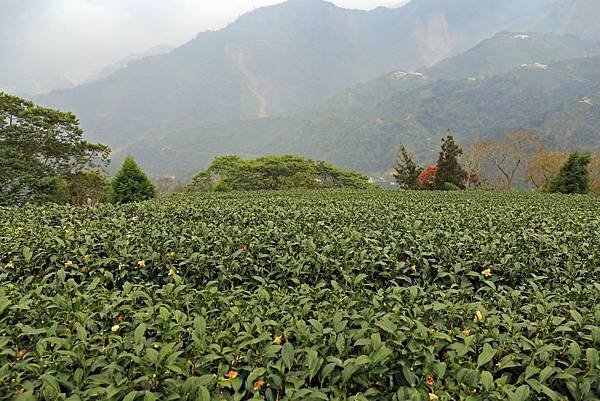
322, 295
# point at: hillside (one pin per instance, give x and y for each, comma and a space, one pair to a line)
311, 50
124, 62
574, 17
507, 50
362, 128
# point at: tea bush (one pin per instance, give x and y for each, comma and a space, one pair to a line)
323, 295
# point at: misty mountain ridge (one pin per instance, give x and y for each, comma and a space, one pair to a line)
125, 61
574, 17
276, 59
310, 78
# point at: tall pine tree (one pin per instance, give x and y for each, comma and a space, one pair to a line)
407, 171
130, 184
450, 173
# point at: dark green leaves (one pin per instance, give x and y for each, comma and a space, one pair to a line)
287, 355
332, 295
486, 355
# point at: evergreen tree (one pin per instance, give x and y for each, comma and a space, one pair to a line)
573, 177
130, 184
407, 171
449, 169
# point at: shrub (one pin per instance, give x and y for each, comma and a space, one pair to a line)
448, 186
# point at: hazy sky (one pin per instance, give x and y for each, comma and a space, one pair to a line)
76, 37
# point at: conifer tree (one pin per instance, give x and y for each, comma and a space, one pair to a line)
130, 184
573, 177
407, 171
449, 171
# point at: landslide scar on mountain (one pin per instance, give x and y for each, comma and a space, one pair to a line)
438, 41
239, 58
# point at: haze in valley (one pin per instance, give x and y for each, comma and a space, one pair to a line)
47, 45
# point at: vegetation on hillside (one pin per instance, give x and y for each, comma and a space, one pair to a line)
363, 128
289, 296
240, 72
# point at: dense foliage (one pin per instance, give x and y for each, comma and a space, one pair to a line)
41, 152
273, 172
449, 171
303, 296
130, 184
573, 177
407, 172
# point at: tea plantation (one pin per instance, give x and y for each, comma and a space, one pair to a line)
303, 296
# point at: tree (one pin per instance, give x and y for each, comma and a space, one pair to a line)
473, 164
329, 176
511, 155
406, 170
449, 170
40, 149
427, 177
202, 182
130, 184
165, 185
573, 177
87, 188
594, 169
544, 165
273, 172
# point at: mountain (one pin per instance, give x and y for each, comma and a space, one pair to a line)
573, 17
507, 50
124, 62
361, 129
277, 59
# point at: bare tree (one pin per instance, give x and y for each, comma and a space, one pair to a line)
473, 161
544, 165
164, 185
511, 155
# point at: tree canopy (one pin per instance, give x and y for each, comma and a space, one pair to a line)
274, 172
41, 149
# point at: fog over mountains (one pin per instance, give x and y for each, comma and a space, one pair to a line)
308, 77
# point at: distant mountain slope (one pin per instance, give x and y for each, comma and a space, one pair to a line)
507, 50
362, 130
124, 62
573, 17
277, 59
